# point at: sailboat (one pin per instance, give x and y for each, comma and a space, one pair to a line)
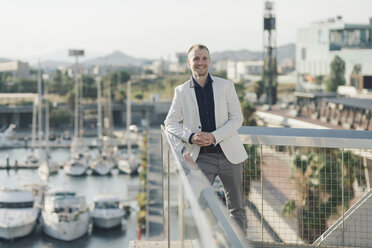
127, 162
33, 158
6, 139
104, 162
48, 166
78, 163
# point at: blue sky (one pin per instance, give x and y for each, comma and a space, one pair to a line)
154, 29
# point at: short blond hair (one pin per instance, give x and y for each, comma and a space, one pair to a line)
198, 46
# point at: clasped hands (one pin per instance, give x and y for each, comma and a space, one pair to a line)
203, 139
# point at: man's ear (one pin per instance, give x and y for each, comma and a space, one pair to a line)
187, 61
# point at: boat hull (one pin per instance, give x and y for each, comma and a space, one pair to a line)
76, 170
23, 227
65, 230
107, 223
16, 231
127, 167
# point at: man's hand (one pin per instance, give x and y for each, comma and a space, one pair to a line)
203, 139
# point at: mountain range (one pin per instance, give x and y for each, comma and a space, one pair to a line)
117, 58
283, 52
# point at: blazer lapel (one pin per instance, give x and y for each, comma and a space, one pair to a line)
191, 92
216, 99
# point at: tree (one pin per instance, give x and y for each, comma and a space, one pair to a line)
318, 177
61, 83
60, 117
259, 88
221, 74
337, 75
3, 87
89, 87
240, 90
138, 96
248, 110
118, 77
251, 168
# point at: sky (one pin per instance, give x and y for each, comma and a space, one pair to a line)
155, 29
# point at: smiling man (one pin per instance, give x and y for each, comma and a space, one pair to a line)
210, 112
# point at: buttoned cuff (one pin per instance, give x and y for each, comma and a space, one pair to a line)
190, 138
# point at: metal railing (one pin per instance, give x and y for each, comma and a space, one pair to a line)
308, 187
192, 213
303, 187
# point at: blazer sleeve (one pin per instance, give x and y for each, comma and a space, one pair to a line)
173, 121
235, 116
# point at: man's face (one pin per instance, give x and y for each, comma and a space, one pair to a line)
198, 60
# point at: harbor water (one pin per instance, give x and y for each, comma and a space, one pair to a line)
124, 186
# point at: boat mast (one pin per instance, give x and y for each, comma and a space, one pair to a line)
33, 133
129, 115
76, 53
76, 120
99, 110
46, 122
39, 112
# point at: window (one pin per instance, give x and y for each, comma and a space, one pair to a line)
303, 53
16, 204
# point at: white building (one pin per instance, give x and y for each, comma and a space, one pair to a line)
317, 45
244, 70
18, 68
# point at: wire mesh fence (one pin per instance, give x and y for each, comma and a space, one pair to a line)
301, 195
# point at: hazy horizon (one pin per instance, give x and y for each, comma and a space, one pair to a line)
152, 30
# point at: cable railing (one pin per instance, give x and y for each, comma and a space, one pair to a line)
303, 187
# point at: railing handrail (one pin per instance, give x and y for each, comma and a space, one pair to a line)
326, 138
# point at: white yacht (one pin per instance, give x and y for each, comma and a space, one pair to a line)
32, 159
102, 165
77, 165
18, 213
106, 212
48, 167
65, 216
128, 164
7, 140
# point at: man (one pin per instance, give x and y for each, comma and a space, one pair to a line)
211, 114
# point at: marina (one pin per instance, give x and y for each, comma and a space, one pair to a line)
120, 186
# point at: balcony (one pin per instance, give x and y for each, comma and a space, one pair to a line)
303, 187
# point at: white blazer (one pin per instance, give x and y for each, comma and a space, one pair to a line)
183, 118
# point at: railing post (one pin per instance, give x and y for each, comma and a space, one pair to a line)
343, 198
262, 196
147, 185
181, 215
168, 191
162, 180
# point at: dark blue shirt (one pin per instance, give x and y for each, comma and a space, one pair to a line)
205, 99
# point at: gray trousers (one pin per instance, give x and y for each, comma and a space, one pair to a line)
213, 164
